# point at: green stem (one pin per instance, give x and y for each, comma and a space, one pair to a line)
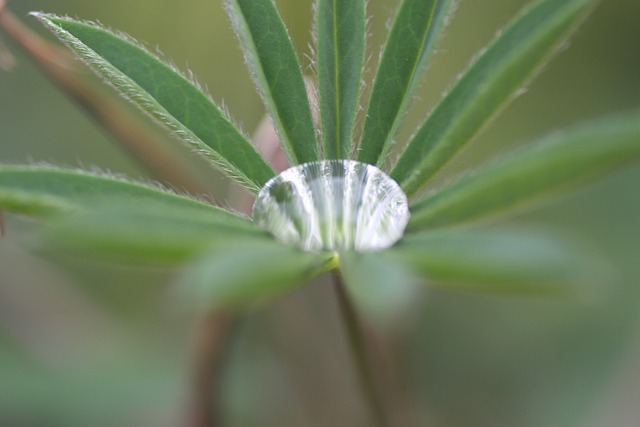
358, 349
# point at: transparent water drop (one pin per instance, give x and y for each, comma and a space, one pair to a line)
333, 205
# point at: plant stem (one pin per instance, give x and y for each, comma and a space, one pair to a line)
208, 340
63, 71
358, 349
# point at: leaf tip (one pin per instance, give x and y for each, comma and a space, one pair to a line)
43, 17
37, 14
51, 21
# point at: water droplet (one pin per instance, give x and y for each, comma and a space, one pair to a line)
333, 205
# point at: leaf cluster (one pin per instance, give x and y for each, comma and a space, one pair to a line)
234, 262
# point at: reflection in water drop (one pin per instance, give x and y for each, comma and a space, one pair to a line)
333, 205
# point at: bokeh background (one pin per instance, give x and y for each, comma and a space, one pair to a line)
87, 343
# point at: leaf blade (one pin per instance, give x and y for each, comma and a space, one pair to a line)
43, 191
500, 261
141, 234
276, 73
340, 44
164, 94
487, 85
223, 279
412, 39
382, 288
555, 164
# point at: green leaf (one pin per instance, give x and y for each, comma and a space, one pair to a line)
246, 273
143, 234
414, 33
47, 190
165, 94
489, 83
556, 164
340, 41
499, 261
275, 69
381, 287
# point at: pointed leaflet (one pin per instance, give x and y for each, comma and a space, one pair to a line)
247, 273
415, 30
558, 163
275, 69
340, 40
165, 94
135, 233
492, 80
381, 287
45, 190
498, 261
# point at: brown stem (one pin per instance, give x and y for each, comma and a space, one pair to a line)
3, 225
267, 141
7, 60
208, 339
358, 347
59, 67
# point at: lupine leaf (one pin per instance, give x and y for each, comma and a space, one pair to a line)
340, 43
142, 234
498, 261
489, 83
381, 287
47, 190
555, 164
165, 94
249, 272
414, 33
276, 71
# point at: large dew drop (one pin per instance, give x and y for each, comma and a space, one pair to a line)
333, 205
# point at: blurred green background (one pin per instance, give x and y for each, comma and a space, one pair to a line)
83, 343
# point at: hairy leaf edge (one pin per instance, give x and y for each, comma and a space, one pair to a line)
132, 92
